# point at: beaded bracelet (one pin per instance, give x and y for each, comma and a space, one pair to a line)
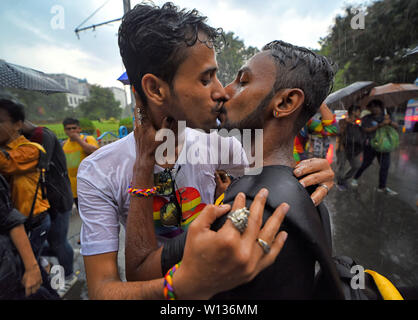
168, 283
142, 192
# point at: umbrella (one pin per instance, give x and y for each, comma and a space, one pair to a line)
347, 96
15, 76
392, 94
411, 52
124, 78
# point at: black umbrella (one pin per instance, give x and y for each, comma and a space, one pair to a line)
347, 96
15, 76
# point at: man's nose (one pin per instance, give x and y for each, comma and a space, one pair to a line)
229, 90
219, 93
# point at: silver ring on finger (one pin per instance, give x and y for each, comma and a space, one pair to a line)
239, 218
264, 245
324, 186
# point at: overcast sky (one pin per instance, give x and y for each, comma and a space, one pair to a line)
33, 33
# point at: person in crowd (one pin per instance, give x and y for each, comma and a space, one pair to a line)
350, 146
19, 161
12, 223
313, 138
30, 281
60, 199
370, 124
183, 70
76, 148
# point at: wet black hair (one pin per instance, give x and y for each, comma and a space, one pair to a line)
13, 107
68, 121
298, 67
154, 40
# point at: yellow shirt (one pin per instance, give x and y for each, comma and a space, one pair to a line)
20, 167
74, 154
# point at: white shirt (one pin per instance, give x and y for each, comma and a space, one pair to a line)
103, 179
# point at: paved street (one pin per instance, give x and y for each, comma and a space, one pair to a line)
378, 231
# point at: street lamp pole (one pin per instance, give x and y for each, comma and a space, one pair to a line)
126, 8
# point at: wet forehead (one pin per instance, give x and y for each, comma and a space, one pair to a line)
199, 59
261, 66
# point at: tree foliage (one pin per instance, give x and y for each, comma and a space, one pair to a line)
375, 53
39, 106
100, 105
87, 126
232, 57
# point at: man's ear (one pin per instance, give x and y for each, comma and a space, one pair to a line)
155, 89
287, 101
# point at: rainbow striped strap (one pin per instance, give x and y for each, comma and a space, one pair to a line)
142, 192
168, 283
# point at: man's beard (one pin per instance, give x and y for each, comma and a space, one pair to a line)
255, 120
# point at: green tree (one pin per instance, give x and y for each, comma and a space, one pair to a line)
40, 106
73, 112
340, 79
232, 57
376, 52
127, 112
100, 105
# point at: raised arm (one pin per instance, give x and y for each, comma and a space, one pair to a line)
88, 146
141, 247
222, 259
327, 126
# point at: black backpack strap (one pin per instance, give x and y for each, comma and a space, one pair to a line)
28, 223
42, 166
5, 193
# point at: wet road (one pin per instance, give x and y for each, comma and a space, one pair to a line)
378, 231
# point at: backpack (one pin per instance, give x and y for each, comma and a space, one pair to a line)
57, 182
353, 140
386, 139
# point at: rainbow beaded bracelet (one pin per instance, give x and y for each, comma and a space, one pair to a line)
168, 283
142, 192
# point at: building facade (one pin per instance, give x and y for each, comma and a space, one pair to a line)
79, 88
120, 96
